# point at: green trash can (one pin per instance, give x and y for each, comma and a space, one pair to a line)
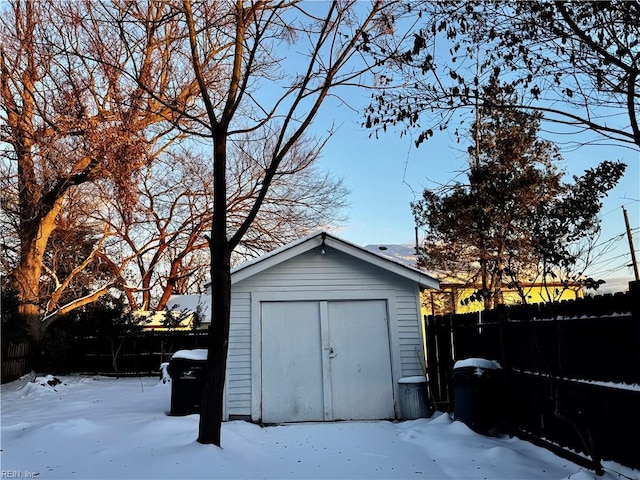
477, 393
414, 399
186, 369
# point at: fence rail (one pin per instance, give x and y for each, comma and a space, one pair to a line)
137, 354
571, 370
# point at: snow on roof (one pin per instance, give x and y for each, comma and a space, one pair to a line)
402, 253
191, 303
406, 254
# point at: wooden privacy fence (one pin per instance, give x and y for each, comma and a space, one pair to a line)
140, 354
570, 371
14, 360
137, 354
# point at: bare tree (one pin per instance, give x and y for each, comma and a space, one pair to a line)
93, 92
577, 63
67, 273
163, 236
302, 198
152, 241
249, 91
70, 118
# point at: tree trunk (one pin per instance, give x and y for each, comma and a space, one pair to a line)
34, 235
27, 281
211, 410
211, 407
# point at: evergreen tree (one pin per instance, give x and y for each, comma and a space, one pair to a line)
515, 218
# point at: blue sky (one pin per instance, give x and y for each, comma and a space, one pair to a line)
384, 175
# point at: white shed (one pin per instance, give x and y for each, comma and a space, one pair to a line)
322, 329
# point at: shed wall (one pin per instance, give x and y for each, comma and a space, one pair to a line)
316, 276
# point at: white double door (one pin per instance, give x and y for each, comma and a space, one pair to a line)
326, 360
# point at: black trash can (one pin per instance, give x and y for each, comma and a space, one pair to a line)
186, 369
477, 393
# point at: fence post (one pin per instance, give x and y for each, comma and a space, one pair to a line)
433, 362
634, 293
446, 348
439, 359
505, 359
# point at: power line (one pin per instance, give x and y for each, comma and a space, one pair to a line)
617, 237
603, 266
604, 273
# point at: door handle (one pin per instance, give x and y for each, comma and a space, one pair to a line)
332, 353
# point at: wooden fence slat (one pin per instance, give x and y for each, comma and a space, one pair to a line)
14, 360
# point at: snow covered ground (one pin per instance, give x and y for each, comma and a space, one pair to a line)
103, 428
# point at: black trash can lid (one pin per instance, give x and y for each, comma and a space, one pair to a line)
195, 354
477, 363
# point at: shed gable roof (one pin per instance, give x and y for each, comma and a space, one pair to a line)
318, 239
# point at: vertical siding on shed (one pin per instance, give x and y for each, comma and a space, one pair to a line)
313, 276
